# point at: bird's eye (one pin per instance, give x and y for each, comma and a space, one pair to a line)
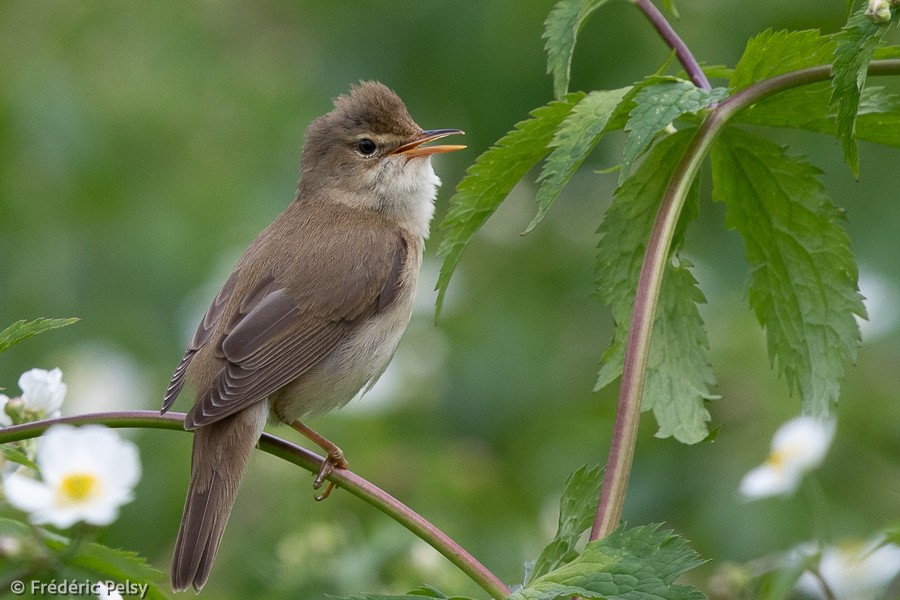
366, 147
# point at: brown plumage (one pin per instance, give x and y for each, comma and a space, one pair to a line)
315, 307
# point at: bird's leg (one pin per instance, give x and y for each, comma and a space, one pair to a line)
334, 459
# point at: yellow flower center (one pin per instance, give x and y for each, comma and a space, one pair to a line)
77, 487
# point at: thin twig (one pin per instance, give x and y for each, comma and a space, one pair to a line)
344, 478
684, 54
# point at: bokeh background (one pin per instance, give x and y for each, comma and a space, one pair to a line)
143, 145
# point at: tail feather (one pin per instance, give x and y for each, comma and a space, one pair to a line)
220, 453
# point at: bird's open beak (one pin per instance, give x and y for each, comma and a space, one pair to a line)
415, 147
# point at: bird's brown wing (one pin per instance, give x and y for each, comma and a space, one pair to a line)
282, 328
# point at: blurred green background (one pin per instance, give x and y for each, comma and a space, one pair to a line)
144, 145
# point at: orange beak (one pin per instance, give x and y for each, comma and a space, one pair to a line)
414, 148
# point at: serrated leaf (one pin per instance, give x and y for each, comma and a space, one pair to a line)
22, 330
856, 43
656, 107
576, 514
635, 564
678, 388
773, 53
576, 136
803, 281
560, 31
13, 454
623, 238
490, 179
877, 120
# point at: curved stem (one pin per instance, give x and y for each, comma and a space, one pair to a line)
684, 54
634, 371
305, 459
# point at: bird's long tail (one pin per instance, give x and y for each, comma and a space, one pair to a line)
220, 453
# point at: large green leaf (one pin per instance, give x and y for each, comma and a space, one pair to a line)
576, 513
560, 31
773, 53
656, 107
576, 136
22, 330
490, 179
803, 281
856, 43
678, 333
634, 564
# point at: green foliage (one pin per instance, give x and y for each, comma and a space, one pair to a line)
576, 513
656, 107
678, 333
47, 555
576, 136
560, 30
855, 45
15, 455
490, 179
803, 277
773, 53
634, 564
22, 330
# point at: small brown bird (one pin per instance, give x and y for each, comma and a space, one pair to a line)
313, 311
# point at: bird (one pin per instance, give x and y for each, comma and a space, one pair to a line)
314, 309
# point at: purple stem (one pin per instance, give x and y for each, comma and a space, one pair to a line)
685, 56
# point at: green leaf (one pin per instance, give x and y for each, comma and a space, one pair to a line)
878, 119
803, 281
22, 330
560, 31
89, 561
678, 328
576, 513
773, 53
856, 43
680, 373
490, 179
576, 136
670, 6
13, 454
635, 564
656, 107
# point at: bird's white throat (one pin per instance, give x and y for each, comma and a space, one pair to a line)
407, 188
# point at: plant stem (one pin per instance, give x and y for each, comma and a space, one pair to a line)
684, 54
634, 371
305, 459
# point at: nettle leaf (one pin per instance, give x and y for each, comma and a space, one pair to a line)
576, 136
773, 53
656, 107
877, 119
560, 30
22, 330
679, 346
576, 514
803, 279
856, 43
492, 177
678, 328
634, 564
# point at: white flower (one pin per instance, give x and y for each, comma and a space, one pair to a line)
104, 593
798, 446
855, 571
88, 473
5, 419
43, 391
